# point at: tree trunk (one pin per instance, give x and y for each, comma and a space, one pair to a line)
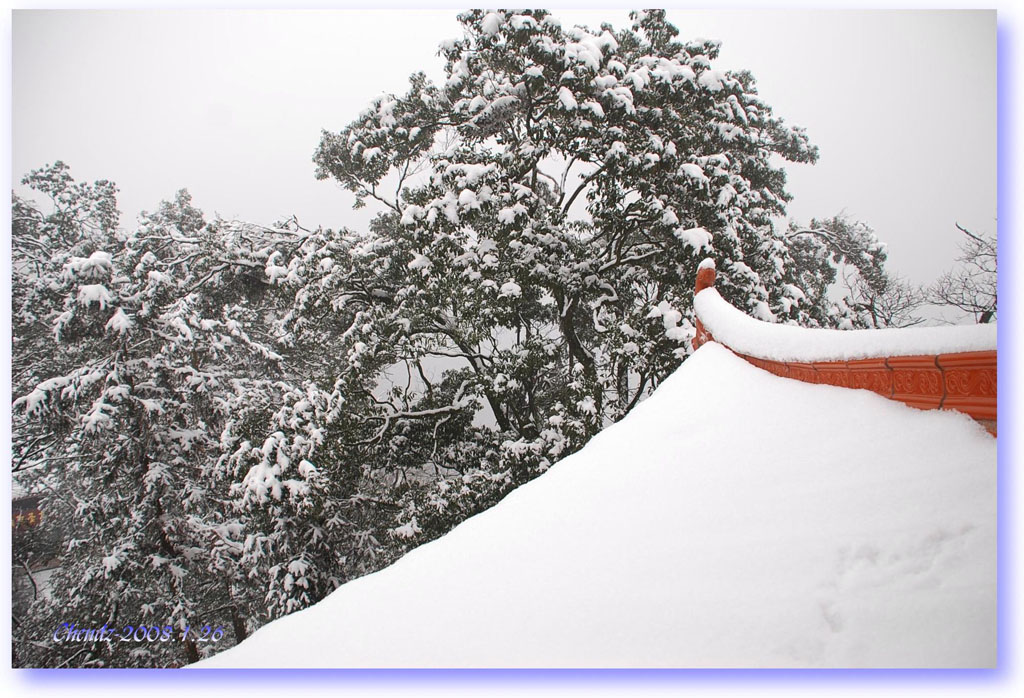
191, 651
238, 623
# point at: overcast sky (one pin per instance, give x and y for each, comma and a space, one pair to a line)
230, 105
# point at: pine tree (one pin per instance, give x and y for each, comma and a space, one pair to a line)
135, 345
542, 216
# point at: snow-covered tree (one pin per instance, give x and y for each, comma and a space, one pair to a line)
172, 428
835, 268
129, 350
543, 212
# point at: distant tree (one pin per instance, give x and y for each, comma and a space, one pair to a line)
892, 302
972, 287
841, 264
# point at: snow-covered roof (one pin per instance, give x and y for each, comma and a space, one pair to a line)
733, 519
778, 342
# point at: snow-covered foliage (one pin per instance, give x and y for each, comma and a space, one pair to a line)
547, 207
132, 352
213, 454
835, 276
542, 215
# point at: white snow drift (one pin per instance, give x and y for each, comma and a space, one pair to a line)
734, 519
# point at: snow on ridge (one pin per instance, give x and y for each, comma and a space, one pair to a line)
728, 521
776, 342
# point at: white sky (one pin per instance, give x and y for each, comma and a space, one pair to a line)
230, 105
